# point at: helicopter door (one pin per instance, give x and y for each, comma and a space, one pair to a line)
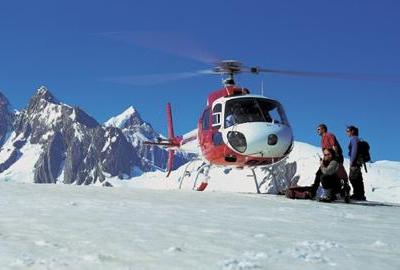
216, 125
206, 141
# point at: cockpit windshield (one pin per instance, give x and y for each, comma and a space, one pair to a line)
244, 110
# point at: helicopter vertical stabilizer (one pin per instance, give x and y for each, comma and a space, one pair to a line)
172, 142
171, 134
171, 138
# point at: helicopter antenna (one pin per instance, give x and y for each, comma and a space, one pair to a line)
262, 87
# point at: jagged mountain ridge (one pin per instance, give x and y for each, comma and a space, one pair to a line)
72, 147
6, 119
136, 130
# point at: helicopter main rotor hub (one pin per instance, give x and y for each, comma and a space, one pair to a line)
232, 67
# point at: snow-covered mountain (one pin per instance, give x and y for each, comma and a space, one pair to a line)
52, 142
137, 131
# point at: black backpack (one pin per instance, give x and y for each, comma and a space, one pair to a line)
363, 154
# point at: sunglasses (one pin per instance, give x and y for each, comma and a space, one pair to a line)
326, 155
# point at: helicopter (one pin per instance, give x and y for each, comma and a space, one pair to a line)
236, 128
239, 129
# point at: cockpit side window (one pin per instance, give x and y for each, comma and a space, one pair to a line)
217, 115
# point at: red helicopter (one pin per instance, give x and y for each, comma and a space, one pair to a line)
235, 128
239, 129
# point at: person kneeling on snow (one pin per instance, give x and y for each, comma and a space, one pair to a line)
328, 176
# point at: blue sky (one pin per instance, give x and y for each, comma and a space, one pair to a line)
60, 44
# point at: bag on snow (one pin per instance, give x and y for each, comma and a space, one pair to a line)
299, 193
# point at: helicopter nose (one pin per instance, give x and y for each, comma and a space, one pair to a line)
260, 139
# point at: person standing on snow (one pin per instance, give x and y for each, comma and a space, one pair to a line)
355, 174
329, 141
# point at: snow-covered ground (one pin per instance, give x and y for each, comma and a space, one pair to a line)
382, 182
149, 223
88, 227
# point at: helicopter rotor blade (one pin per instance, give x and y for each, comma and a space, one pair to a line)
152, 79
176, 44
332, 75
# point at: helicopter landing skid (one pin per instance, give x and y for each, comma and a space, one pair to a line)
272, 174
203, 169
186, 173
255, 180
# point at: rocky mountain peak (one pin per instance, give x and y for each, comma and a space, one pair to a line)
44, 93
130, 110
40, 100
4, 103
128, 119
132, 124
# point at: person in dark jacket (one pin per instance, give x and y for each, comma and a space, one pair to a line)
355, 174
327, 175
330, 181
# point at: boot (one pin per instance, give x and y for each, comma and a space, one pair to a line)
345, 192
327, 196
358, 197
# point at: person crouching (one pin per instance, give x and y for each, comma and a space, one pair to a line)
330, 181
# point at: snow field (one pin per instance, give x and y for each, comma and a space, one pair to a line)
70, 227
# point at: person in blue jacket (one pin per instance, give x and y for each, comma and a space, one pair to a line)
355, 174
